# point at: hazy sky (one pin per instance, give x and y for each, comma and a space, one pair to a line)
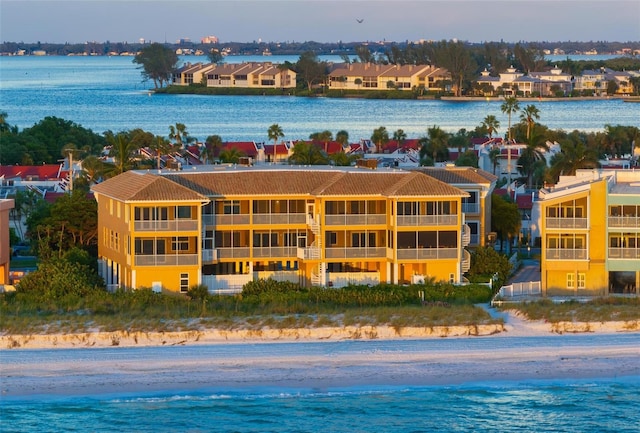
318, 20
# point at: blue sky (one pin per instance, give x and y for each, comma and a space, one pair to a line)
319, 20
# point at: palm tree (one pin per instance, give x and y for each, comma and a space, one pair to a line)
123, 151
213, 144
574, 154
491, 124
307, 154
531, 158
380, 137
342, 159
529, 116
231, 155
494, 157
435, 143
274, 133
92, 169
161, 146
325, 136
399, 136
510, 106
342, 137
179, 134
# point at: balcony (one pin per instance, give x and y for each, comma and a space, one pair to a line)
233, 253
566, 223
232, 219
309, 253
624, 253
355, 220
166, 260
356, 253
427, 220
471, 208
566, 254
272, 252
280, 218
179, 225
631, 222
427, 253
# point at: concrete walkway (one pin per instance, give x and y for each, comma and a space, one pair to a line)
529, 271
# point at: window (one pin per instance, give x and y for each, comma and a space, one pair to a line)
184, 282
582, 281
231, 207
183, 212
265, 239
332, 238
180, 243
571, 283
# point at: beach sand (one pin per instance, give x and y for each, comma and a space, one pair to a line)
520, 350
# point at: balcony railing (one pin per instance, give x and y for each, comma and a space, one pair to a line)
355, 252
471, 207
232, 219
179, 225
309, 253
355, 220
166, 260
427, 253
624, 221
266, 252
566, 223
279, 218
566, 254
343, 279
233, 253
624, 253
427, 220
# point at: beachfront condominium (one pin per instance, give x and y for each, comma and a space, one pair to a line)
590, 233
223, 226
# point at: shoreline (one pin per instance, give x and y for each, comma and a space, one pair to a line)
512, 326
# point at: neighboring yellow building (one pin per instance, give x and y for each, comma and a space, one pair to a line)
325, 226
479, 186
367, 76
590, 230
5, 249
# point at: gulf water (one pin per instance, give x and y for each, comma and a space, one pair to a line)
593, 406
107, 93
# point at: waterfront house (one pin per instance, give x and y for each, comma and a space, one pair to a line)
265, 75
590, 233
368, 76
326, 226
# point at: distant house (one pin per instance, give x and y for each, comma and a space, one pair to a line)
46, 177
368, 76
513, 82
265, 75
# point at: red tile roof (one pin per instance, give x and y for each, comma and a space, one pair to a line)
42, 172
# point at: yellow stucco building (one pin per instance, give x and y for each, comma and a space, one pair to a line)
326, 226
5, 251
590, 232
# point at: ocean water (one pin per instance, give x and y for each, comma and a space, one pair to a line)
588, 406
107, 93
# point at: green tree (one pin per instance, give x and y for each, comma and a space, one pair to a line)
161, 146
380, 137
490, 124
485, 263
307, 154
275, 133
494, 157
231, 155
574, 154
532, 158
529, 115
342, 159
25, 202
509, 107
325, 137
467, 159
456, 58
180, 135
215, 56
157, 62
342, 137
310, 69
434, 145
212, 147
505, 219
93, 169
123, 150
399, 136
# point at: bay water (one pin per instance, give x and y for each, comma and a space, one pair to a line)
107, 93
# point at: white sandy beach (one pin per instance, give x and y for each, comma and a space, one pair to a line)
151, 362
